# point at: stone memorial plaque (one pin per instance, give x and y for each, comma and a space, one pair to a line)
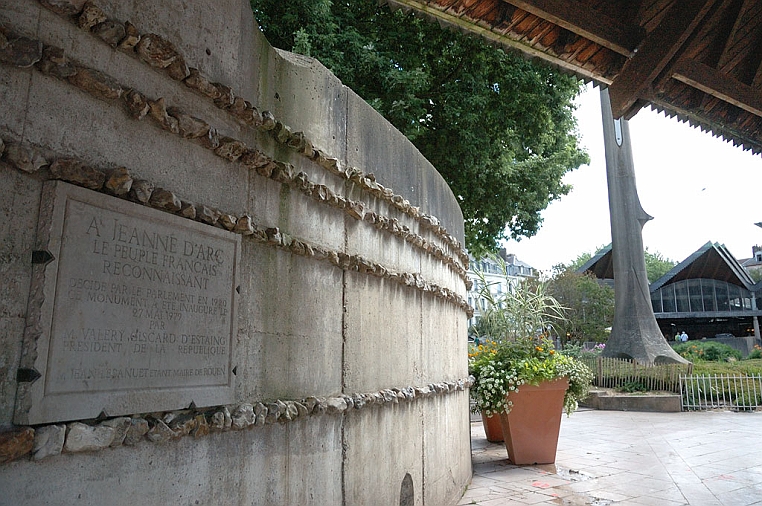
133, 310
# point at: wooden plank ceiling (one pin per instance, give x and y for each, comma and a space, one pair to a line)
699, 60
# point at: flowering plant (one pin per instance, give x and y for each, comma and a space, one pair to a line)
502, 367
514, 354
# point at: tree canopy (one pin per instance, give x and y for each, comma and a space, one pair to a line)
499, 129
657, 265
589, 306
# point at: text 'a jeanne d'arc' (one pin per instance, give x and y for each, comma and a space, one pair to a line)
128, 241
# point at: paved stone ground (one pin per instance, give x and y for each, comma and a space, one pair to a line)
627, 458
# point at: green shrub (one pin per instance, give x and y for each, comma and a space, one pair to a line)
755, 353
743, 367
632, 387
709, 351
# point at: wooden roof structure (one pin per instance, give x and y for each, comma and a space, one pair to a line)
711, 261
699, 60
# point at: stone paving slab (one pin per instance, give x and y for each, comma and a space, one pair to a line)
630, 459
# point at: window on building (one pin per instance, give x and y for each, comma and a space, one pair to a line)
707, 292
668, 299
721, 292
734, 297
694, 293
681, 296
656, 301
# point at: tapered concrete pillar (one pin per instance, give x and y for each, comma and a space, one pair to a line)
635, 333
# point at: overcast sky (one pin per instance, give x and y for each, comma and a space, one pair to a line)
697, 187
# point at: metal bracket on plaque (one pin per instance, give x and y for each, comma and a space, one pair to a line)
27, 375
618, 131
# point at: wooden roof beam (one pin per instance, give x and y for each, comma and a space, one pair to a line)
757, 83
497, 38
745, 33
654, 54
614, 34
717, 84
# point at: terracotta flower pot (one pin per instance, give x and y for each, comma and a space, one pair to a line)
531, 429
493, 428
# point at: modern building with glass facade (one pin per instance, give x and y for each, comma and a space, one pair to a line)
707, 294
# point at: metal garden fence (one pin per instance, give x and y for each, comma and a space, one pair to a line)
622, 373
721, 391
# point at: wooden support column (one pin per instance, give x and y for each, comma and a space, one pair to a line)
635, 333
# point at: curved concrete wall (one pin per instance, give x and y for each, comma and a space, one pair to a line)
350, 304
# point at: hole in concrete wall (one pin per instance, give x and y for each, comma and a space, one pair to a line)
407, 493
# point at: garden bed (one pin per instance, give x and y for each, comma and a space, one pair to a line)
609, 399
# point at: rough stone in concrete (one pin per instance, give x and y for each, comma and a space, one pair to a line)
245, 112
84, 438
243, 416
158, 111
121, 426
187, 210
244, 225
64, 7
55, 63
90, 16
137, 104
165, 199
254, 159
225, 96
211, 140
110, 32
131, 37
48, 441
198, 82
15, 443
96, 83
141, 190
268, 121
207, 214
260, 411
24, 158
190, 127
336, 405
21, 52
202, 427
178, 69
156, 50
160, 432
75, 171
227, 221
230, 149
138, 428
281, 132
221, 419
183, 424
301, 409
119, 181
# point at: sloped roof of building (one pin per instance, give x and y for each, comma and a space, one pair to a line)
601, 265
711, 261
698, 60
